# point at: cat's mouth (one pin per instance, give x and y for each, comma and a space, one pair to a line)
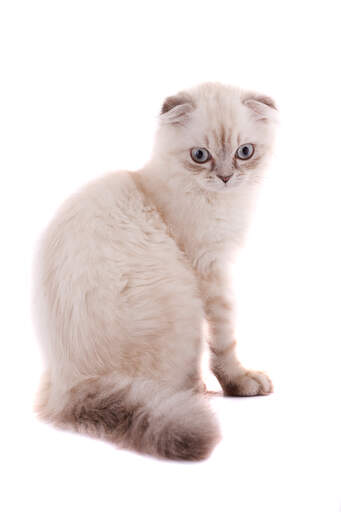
219, 182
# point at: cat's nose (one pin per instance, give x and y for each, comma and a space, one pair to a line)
224, 178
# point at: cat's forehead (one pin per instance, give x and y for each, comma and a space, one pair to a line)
217, 99
223, 121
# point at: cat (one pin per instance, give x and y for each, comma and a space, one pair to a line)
133, 265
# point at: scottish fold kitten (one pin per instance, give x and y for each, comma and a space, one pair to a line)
134, 263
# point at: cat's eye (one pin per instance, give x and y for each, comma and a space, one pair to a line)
245, 151
200, 155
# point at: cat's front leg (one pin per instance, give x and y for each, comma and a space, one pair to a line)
232, 376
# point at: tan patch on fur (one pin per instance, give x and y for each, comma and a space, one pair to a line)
147, 199
267, 101
173, 101
222, 136
221, 352
190, 166
194, 381
110, 415
217, 302
244, 165
216, 136
262, 99
252, 163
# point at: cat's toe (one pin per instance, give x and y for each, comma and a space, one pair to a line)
250, 383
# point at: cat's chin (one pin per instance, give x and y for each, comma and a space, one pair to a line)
215, 186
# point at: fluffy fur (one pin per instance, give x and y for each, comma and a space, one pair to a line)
132, 265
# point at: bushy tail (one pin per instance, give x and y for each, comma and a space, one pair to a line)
140, 415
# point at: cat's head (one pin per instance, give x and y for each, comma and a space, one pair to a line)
220, 136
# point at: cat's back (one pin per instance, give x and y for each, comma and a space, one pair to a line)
111, 199
102, 233
110, 211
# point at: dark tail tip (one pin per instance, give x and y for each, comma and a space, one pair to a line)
176, 444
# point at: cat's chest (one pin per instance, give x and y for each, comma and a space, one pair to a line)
207, 235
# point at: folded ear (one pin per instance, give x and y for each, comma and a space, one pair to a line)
175, 109
262, 107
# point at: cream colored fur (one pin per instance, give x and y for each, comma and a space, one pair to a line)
130, 267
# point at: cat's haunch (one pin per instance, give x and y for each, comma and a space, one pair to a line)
134, 263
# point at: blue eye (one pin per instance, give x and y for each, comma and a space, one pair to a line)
245, 151
200, 155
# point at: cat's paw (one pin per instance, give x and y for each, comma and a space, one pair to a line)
250, 383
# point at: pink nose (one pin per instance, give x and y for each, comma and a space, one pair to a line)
224, 178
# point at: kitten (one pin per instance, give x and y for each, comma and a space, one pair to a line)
133, 264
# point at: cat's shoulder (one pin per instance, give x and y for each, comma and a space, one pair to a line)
110, 183
105, 195
108, 189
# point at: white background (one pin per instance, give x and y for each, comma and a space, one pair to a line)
81, 87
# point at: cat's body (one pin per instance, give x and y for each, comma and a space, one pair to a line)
132, 265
